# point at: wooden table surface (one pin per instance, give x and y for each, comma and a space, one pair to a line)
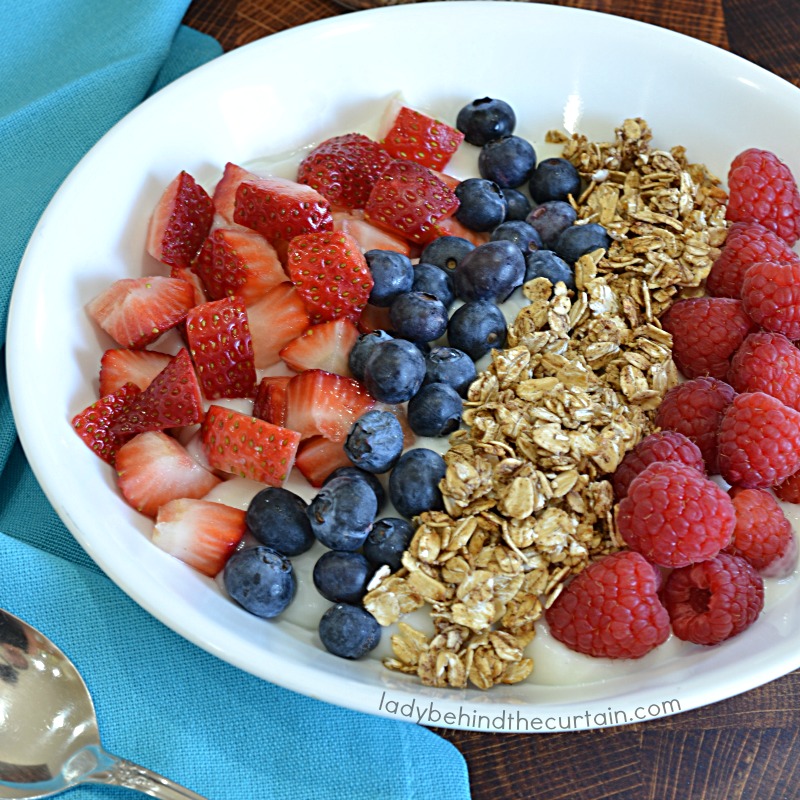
746, 748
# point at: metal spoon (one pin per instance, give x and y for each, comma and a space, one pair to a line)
49, 740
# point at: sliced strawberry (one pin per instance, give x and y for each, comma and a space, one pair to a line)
134, 312
121, 366
450, 226
172, 400
153, 468
331, 274
344, 169
317, 457
281, 209
415, 136
374, 318
180, 222
225, 190
321, 403
94, 423
270, 400
200, 533
277, 318
325, 346
193, 279
367, 235
448, 180
248, 447
238, 262
408, 200
219, 339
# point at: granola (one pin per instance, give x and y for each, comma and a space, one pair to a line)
527, 500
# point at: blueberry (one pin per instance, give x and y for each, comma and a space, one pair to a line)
375, 441
551, 219
387, 541
446, 252
435, 410
342, 513
261, 580
476, 328
342, 577
349, 631
392, 274
361, 350
414, 482
508, 161
278, 519
577, 240
371, 480
450, 366
490, 272
518, 232
546, 264
433, 280
517, 204
394, 371
418, 317
482, 205
554, 179
485, 119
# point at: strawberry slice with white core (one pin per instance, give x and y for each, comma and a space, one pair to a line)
200, 533
317, 457
270, 400
180, 222
321, 403
134, 312
153, 468
94, 424
248, 447
367, 235
325, 346
225, 191
275, 320
119, 366
415, 136
193, 279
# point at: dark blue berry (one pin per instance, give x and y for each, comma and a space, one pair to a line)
414, 482
435, 410
361, 350
476, 328
392, 274
577, 240
485, 119
342, 513
342, 577
554, 179
375, 441
482, 205
546, 264
394, 371
551, 219
446, 252
278, 519
490, 272
261, 580
387, 541
349, 631
517, 204
450, 366
371, 480
418, 317
434, 280
508, 161
518, 232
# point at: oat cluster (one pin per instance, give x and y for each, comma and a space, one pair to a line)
528, 501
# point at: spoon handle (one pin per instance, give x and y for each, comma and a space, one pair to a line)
121, 772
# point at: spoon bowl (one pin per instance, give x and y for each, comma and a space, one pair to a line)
49, 738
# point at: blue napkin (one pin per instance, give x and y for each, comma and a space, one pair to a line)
70, 69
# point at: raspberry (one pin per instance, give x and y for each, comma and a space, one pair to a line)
747, 242
611, 609
762, 189
661, 446
763, 536
694, 408
713, 600
769, 363
673, 515
789, 490
771, 296
706, 332
759, 441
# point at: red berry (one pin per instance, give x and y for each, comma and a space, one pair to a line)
713, 600
673, 515
660, 446
789, 490
415, 136
771, 296
759, 441
611, 609
694, 408
747, 243
706, 332
769, 363
763, 189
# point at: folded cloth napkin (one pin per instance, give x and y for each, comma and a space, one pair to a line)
71, 69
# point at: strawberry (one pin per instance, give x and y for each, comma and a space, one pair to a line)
180, 222
134, 312
450, 226
319, 402
171, 400
331, 275
200, 533
317, 457
225, 191
408, 200
270, 400
374, 318
93, 424
277, 318
248, 447
193, 279
367, 235
281, 209
325, 346
121, 366
344, 169
153, 468
219, 340
415, 136
238, 262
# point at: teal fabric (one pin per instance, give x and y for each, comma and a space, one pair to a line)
70, 69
